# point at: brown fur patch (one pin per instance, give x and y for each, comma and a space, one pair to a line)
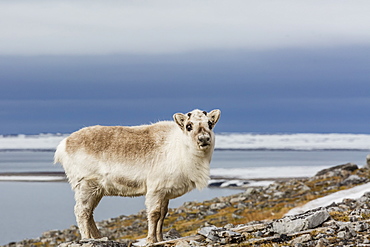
128, 183
112, 142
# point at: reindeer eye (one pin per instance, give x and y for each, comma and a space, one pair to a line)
210, 125
189, 127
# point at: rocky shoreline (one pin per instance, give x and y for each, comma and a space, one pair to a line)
254, 217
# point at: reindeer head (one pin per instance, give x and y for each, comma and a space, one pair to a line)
198, 126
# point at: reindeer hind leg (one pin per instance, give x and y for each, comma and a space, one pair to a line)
87, 198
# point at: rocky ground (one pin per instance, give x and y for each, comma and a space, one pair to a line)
254, 217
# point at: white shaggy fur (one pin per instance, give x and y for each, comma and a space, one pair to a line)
161, 161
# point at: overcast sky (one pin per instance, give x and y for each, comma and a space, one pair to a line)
270, 66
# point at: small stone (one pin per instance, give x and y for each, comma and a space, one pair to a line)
209, 233
223, 241
74, 245
211, 212
88, 245
228, 226
182, 243
237, 199
322, 242
258, 234
228, 234
367, 194
194, 243
235, 216
250, 191
305, 188
204, 231
218, 206
279, 194
102, 239
301, 239
343, 235
361, 226
171, 234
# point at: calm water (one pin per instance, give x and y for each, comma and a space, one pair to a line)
28, 209
42, 161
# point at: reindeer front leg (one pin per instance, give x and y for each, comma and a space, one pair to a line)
156, 205
164, 210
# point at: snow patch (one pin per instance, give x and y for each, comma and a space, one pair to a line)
352, 193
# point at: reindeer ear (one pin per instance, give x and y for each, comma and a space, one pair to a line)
180, 119
214, 116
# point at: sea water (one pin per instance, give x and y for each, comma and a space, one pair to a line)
30, 208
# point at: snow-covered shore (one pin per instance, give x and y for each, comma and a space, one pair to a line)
299, 141
224, 141
352, 193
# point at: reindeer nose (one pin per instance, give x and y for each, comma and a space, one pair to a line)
204, 138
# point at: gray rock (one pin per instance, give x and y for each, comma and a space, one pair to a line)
366, 241
346, 167
220, 235
367, 161
286, 225
209, 233
361, 226
290, 224
352, 179
249, 191
171, 234
317, 219
279, 194
343, 235
237, 199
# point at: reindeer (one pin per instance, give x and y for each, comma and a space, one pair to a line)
162, 161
